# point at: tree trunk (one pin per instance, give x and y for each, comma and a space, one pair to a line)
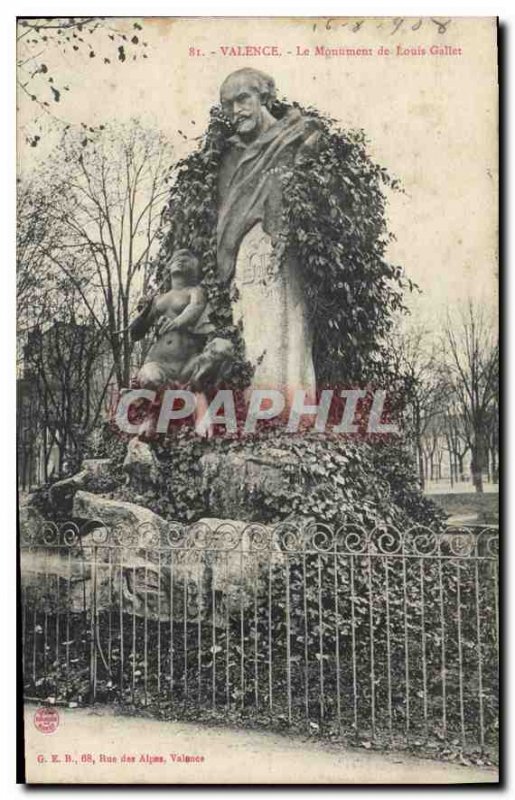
420, 457
476, 468
495, 476
45, 455
451, 461
461, 467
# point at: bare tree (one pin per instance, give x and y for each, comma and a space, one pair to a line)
455, 433
493, 442
66, 382
108, 192
41, 44
417, 361
472, 362
38, 231
87, 224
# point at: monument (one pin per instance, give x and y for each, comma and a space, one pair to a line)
238, 273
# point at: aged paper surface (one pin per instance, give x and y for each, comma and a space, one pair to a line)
425, 93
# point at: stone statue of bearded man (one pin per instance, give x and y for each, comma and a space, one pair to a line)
269, 297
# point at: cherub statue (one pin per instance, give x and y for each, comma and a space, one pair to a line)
179, 353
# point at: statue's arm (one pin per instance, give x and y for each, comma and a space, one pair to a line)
143, 322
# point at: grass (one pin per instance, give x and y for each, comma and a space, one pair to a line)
485, 506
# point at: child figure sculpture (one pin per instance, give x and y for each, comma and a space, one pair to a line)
179, 354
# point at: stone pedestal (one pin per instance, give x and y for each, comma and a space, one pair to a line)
92, 470
127, 558
235, 483
140, 465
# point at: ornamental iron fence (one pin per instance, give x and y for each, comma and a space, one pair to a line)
386, 636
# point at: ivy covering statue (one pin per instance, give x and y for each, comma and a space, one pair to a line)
286, 214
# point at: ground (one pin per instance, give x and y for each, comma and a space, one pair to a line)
444, 487
90, 737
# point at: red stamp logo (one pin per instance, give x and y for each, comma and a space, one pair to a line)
46, 719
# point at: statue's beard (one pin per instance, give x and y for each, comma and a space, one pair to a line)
246, 126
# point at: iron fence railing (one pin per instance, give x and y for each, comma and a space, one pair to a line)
384, 635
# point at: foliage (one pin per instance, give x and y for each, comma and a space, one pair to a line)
328, 479
335, 224
106, 442
395, 461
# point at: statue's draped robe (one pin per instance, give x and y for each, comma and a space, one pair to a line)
270, 300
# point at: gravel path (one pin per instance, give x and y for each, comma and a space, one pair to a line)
87, 740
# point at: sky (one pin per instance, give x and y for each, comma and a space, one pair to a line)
431, 120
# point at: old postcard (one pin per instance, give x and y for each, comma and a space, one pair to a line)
258, 452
